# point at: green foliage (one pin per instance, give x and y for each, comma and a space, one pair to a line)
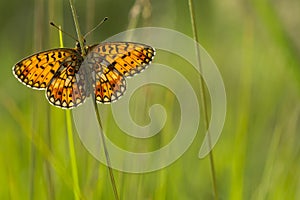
256, 47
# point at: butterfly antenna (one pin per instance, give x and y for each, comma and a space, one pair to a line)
103, 20
71, 36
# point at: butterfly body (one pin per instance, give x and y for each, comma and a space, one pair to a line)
69, 76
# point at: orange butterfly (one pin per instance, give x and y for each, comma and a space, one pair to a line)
69, 77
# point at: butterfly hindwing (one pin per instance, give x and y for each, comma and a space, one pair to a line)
109, 86
67, 88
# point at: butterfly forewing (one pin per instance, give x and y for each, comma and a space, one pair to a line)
126, 57
36, 71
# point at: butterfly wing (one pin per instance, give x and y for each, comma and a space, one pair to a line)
109, 85
67, 88
55, 70
112, 62
36, 71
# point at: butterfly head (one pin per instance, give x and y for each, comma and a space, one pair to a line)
78, 47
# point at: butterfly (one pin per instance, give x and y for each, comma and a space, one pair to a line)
69, 76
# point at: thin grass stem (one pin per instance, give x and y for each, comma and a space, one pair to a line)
76, 188
113, 182
81, 42
50, 183
79, 35
39, 144
32, 169
203, 96
49, 173
37, 43
72, 155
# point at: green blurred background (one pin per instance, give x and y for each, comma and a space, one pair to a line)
256, 46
